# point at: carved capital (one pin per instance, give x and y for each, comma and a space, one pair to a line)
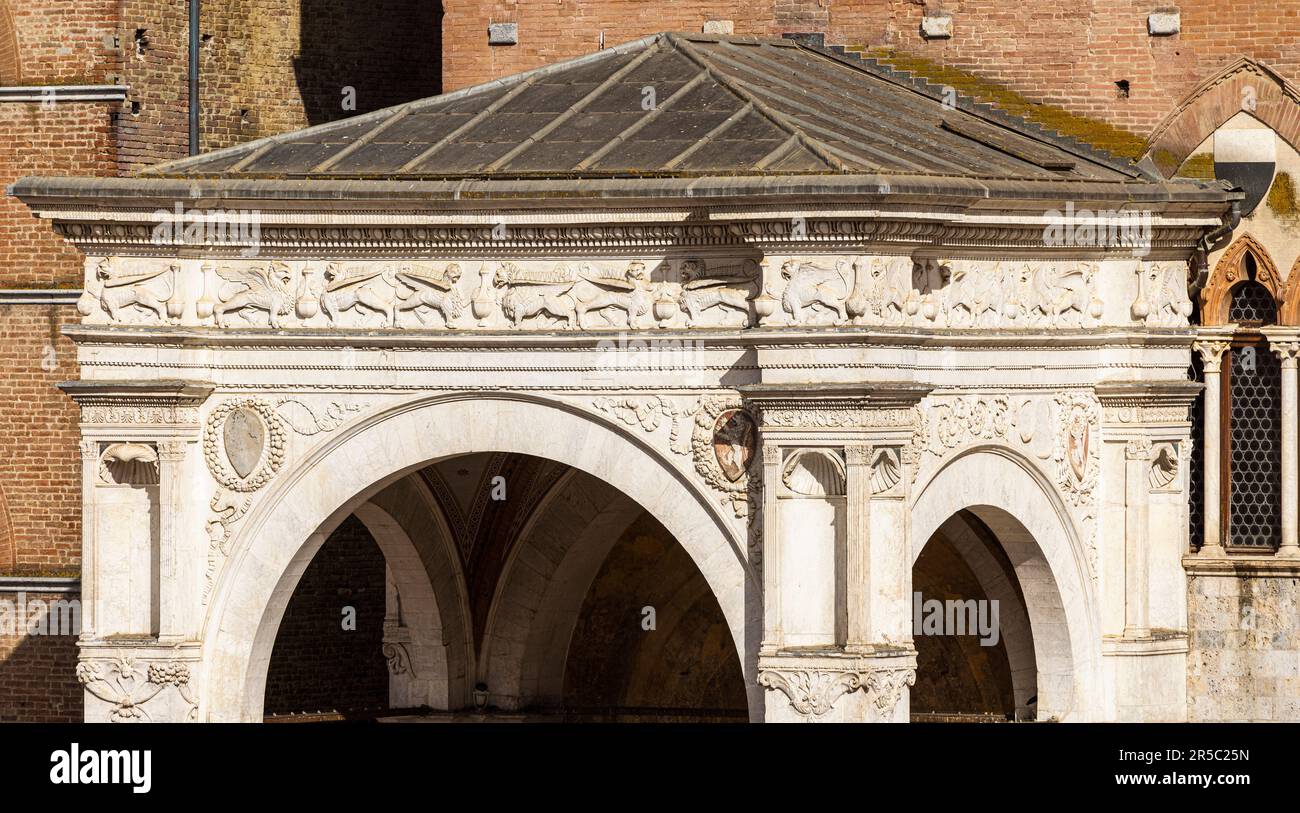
884, 687
1138, 449
812, 692
857, 455
1211, 354
1287, 352
771, 454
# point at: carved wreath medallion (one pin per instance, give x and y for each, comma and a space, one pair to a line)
243, 444
724, 445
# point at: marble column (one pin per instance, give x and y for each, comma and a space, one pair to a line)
1212, 361
1287, 352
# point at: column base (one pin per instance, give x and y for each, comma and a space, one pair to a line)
837, 687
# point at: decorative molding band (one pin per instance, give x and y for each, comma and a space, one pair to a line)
332, 235
40, 584
63, 94
1249, 567
39, 296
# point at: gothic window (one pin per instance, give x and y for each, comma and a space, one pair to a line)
1251, 415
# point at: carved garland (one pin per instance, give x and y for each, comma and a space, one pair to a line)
271, 456
742, 490
128, 685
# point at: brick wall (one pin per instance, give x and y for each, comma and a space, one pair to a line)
37, 672
11, 72
316, 665
40, 467
58, 42
1070, 54
62, 139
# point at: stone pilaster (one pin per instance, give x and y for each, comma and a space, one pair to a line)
837, 569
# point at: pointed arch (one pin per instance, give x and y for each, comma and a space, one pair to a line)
1216, 297
1289, 311
1243, 85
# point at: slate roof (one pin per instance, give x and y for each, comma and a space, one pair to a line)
721, 106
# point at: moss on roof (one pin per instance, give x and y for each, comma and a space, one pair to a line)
1099, 134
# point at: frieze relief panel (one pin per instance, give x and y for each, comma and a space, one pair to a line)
632, 294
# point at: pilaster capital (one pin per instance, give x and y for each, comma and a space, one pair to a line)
1138, 449
771, 454
857, 454
814, 684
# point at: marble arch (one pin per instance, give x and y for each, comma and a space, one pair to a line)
1025, 513
332, 482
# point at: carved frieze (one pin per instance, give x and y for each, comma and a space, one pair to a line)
1162, 299
639, 293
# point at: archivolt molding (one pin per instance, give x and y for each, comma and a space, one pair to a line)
1289, 313
1229, 271
1243, 85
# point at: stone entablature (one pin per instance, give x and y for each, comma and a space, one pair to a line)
644, 293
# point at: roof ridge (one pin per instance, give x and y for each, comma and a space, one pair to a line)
381, 115
991, 112
681, 44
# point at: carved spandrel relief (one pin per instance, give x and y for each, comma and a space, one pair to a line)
1059, 432
245, 444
